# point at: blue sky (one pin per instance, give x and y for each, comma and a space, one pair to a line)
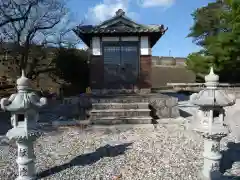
174, 14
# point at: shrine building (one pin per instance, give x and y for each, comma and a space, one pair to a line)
121, 52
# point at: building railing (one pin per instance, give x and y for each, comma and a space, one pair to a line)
195, 87
202, 84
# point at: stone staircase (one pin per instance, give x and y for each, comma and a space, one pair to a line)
120, 110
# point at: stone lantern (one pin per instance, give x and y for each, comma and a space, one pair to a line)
209, 122
24, 106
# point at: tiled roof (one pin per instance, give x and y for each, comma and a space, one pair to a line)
119, 29
119, 24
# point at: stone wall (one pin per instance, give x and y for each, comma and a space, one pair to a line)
171, 74
168, 61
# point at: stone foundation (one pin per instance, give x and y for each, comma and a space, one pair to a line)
161, 106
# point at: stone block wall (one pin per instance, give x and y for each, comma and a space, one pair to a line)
78, 106
163, 75
168, 61
164, 106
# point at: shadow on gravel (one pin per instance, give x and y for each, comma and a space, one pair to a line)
153, 114
229, 157
50, 130
215, 176
5, 124
88, 159
184, 113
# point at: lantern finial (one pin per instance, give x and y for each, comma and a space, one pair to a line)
23, 73
212, 79
23, 83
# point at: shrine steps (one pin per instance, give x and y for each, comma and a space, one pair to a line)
120, 110
140, 105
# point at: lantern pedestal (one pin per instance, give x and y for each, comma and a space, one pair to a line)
25, 156
25, 160
212, 157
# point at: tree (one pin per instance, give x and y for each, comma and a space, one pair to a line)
207, 22
216, 30
72, 67
31, 26
199, 64
226, 45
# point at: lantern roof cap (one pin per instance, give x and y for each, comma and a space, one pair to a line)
212, 96
25, 99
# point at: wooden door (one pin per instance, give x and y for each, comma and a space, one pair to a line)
112, 61
129, 63
121, 64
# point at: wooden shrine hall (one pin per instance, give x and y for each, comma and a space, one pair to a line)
121, 49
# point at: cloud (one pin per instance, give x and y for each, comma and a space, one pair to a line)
106, 10
153, 3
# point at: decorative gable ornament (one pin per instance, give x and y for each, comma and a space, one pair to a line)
120, 12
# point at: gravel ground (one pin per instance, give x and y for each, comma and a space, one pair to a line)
167, 151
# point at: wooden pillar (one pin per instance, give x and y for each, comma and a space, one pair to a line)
96, 72
145, 72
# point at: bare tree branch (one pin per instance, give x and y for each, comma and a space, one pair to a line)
9, 18
32, 26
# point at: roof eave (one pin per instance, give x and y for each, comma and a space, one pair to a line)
86, 36
154, 37
83, 36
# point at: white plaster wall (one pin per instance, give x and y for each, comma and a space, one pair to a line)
130, 38
110, 38
144, 45
96, 47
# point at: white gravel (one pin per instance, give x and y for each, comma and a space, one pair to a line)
167, 152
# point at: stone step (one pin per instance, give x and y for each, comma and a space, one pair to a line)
120, 99
141, 105
95, 114
122, 120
